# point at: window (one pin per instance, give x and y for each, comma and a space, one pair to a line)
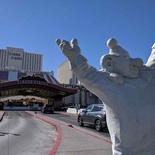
96, 108
101, 108
89, 108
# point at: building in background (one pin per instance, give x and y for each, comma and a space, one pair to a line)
17, 59
16, 63
68, 79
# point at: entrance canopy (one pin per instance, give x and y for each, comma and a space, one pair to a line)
34, 86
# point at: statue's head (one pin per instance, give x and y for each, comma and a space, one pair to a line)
119, 61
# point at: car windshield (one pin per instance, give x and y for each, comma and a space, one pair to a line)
89, 108
95, 108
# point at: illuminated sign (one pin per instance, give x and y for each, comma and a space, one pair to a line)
33, 80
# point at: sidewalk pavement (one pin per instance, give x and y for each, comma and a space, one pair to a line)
74, 140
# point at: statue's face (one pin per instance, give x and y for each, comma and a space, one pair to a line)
127, 66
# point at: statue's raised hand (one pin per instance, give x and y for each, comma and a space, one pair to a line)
69, 49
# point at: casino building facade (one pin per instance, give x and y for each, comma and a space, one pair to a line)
21, 74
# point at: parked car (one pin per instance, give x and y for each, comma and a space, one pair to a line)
94, 115
47, 109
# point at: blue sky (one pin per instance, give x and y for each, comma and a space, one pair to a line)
34, 25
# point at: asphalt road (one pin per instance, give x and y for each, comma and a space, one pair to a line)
22, 134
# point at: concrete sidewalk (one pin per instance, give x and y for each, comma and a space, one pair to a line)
77, 141
74, 140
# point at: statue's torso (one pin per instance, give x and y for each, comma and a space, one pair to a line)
131, 118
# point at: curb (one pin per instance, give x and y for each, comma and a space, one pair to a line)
58, 140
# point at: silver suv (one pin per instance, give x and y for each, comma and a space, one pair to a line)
93, 115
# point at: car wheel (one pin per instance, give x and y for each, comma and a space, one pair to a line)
98, 125
80, 121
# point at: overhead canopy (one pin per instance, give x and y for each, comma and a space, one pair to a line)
35, 86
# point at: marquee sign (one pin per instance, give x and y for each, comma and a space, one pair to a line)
32, 80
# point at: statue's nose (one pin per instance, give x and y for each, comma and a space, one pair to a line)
137, 62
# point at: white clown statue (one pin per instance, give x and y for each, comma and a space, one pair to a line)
126, 86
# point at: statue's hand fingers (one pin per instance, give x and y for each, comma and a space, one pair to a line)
63, 44
58, 41
74, 45
74, 42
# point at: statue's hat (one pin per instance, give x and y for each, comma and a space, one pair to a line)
115, 49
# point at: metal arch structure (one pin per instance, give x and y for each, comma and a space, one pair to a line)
34, 86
